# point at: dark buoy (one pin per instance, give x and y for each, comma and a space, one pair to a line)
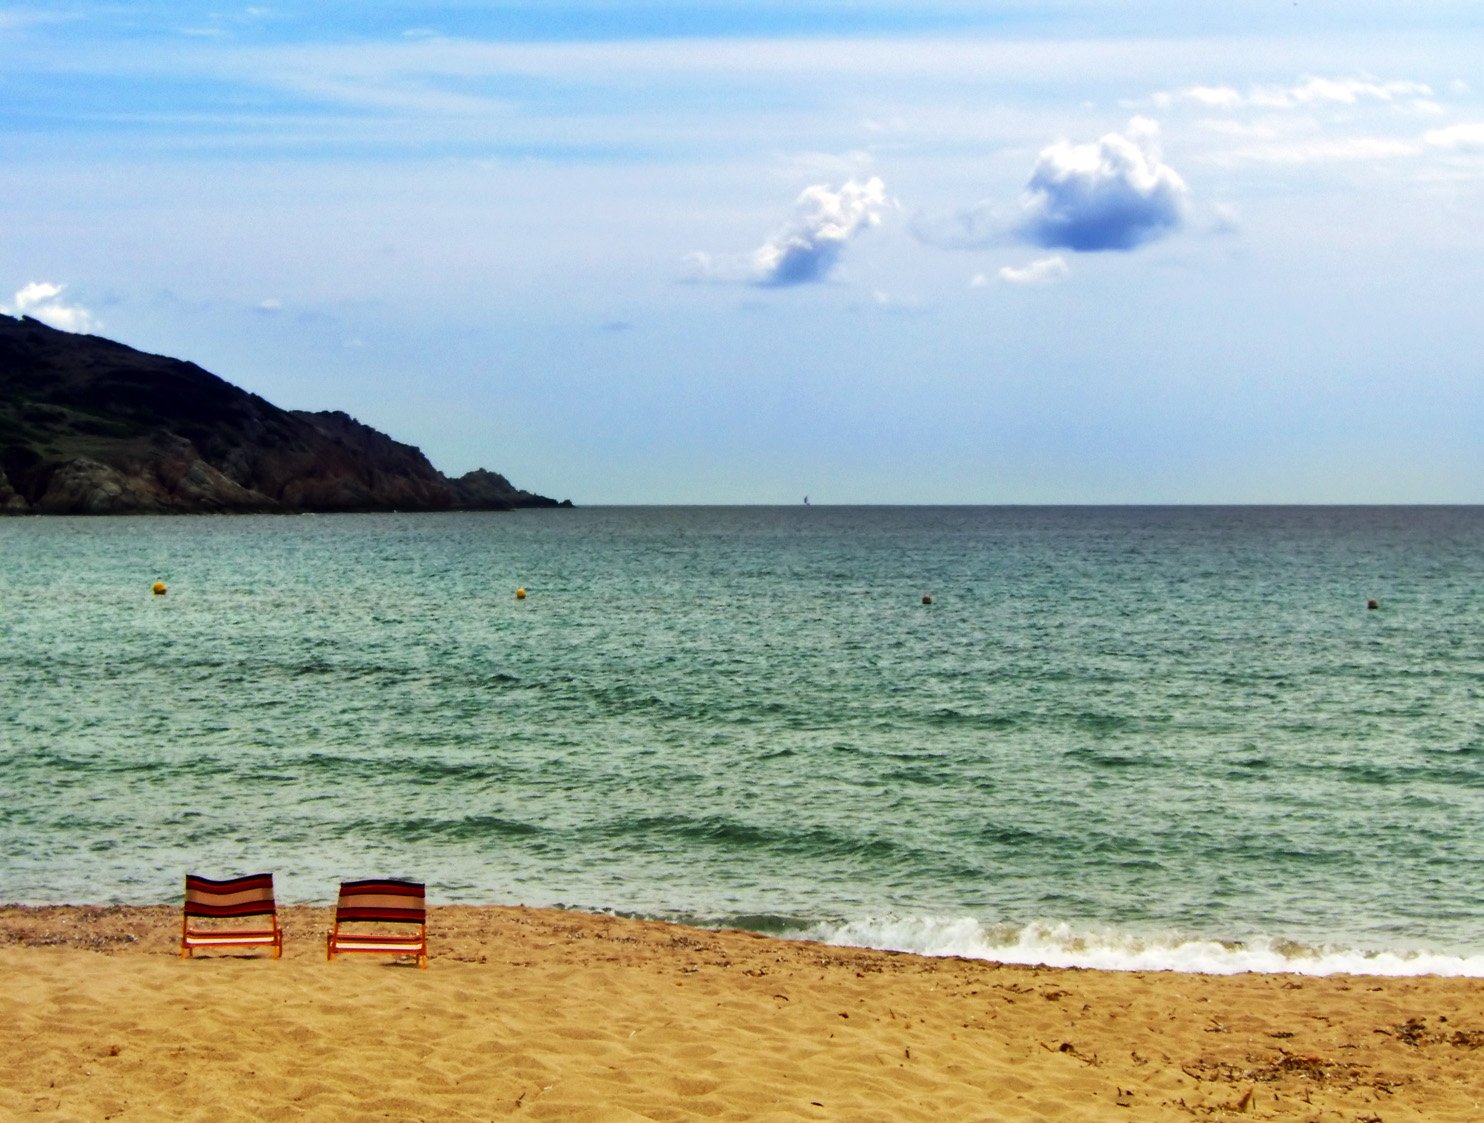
926, 599
1373, 603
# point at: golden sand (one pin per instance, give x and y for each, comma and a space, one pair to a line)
543, 1014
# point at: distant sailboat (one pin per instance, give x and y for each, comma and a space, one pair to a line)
806, 501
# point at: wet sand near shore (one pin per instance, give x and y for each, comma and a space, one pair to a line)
555, 1015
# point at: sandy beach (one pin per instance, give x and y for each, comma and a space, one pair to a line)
547, 1014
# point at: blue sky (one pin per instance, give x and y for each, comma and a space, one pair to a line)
740, 253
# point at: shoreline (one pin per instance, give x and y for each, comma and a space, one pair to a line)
552, 1014
1050, 944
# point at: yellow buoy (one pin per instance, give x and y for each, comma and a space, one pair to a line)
520, 594
159, 588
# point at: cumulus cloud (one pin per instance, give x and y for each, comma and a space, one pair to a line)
41, 300
1115, 194
824, 222
1042, 271
808, 248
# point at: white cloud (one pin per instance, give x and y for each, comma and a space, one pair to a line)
1042, 271
1318, 120
808, 249
1349, 91
824, 222
1467, 136
1216, 97
1115, 194
40, 300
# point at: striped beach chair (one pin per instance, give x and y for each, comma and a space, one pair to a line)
207, 901
380, 903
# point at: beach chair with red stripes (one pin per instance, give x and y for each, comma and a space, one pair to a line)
379, 904
208, 901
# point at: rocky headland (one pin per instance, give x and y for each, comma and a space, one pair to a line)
90, 426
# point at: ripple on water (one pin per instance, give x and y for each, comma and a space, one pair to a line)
748, 712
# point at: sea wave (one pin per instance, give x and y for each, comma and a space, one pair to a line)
1054, 944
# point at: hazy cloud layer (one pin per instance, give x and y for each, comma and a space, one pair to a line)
976, 227
1350, 149
1115, 194
510, 192
1312, 91
41, 301
1316, 120
1469, 137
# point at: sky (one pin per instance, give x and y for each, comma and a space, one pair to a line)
639, 251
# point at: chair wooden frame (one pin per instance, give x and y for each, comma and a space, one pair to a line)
233, 899
380, 902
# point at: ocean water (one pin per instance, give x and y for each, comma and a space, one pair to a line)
1119, 737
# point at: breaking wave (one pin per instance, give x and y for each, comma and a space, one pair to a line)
1053, 944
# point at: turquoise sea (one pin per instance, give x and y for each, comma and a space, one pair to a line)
1119, 737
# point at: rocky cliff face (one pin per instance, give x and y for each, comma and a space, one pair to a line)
89, 426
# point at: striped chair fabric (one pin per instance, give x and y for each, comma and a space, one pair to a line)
380, 903
207, 900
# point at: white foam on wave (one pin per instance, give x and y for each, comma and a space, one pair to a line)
1053, 944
